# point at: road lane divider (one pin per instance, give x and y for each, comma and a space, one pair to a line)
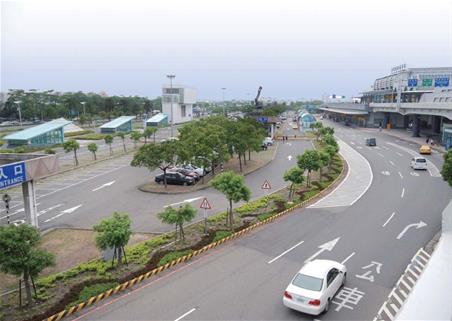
285, 252
127, 284
185, 314
348, 258
403, 193
387, 221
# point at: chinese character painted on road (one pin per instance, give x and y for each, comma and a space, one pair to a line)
368, 274
2, 175
347, 297
18, 170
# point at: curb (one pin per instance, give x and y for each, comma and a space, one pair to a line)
138, 279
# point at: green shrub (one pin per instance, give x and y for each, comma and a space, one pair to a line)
20, 149
140, 253
49, 151
219, 235
47, 282
93, 290
220, 217
252, 207
93, 136
173, 256
264, 216
79, 133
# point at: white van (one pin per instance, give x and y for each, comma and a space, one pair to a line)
418, 163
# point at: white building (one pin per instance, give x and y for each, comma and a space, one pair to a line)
183, 100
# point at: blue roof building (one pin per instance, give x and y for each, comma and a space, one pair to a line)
120, 124
158, 120
306, 120
49, 133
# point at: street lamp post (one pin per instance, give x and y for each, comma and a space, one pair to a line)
171, 77
83, 104
18, 102
224, 107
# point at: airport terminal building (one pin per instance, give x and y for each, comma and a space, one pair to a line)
417, 99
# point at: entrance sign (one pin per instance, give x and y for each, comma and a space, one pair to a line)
266, 185
13, 174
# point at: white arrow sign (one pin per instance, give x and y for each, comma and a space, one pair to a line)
105, 185
68, 211
416, 225
328, 246
289, 157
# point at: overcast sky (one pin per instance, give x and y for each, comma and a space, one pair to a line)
294, 49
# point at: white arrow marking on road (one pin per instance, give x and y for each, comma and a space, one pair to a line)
105, 185
414, 174
185, 201
386, 173
289, 157
416, 225
49, 209
289, 144
328, 246
68, 211
401, 176
285, 252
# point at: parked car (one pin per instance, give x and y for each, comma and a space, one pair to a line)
425, 149
371, 142
175, 178
314, 286
268, 141
418, 163
186, 172
198, 170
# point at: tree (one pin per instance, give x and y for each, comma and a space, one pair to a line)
20, 254
148, 132
155, 156
72, 145
295, 176
329, 140
123, 137
324, 159
332, 151
309, 161
446, 171
178, 217
114, 232
135, 137
92, 147
234, 188
109, 140
317, 126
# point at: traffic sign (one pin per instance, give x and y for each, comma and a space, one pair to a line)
266, 185
205, 204
13, 174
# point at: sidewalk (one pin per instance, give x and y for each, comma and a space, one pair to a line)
405, 135
430, 298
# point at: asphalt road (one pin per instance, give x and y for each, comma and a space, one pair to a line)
82, 197
245, 279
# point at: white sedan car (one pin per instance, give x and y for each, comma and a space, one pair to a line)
314, 286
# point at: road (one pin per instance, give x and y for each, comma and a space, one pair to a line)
82, 197
375, 235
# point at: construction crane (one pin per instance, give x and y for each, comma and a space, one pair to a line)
257, 103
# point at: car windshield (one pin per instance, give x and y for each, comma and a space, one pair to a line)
308, 282
421, 160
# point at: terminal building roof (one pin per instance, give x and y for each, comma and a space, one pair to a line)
35, 131
115, 123
157, 118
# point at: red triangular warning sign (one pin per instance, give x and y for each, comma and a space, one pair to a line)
266, 185
205, 204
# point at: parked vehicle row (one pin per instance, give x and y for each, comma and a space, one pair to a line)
186, 174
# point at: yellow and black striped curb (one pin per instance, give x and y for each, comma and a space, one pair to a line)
138, 279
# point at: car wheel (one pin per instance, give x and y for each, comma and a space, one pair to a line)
327, 306
343, 280
185, 183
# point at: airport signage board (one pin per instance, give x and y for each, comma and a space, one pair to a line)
12, 174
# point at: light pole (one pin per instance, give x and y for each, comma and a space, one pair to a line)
224, 107
18, 102
171, 77
83, 104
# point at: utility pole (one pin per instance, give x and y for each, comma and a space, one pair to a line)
224, 107
171, 77
83, 104
18, 102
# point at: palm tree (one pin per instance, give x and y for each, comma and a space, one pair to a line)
92, 147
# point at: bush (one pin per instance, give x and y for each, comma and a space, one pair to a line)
264, 216
220, 217
93, 290
20, 149
49, 151
93, 136
173, 256
140, 253
79, 133
219, 235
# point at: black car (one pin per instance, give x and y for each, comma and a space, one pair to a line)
371, 142
186, 172
175, 178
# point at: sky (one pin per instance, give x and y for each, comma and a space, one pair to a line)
293, 49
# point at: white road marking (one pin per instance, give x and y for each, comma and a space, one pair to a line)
49, 209
104, 185
381, 155
348, 258
401, 176
289, 157
387, 221
328, 246
414, 174
353, 143
416, 225
403, 192
392, 163
386, 173
285, 252
368, 274
20, 210
185, 314
400, 154
385, 147
185, 201
68, 211
359, 147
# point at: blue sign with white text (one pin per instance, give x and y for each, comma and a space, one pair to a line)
442, 82
412, 82
13, 174
263, 120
